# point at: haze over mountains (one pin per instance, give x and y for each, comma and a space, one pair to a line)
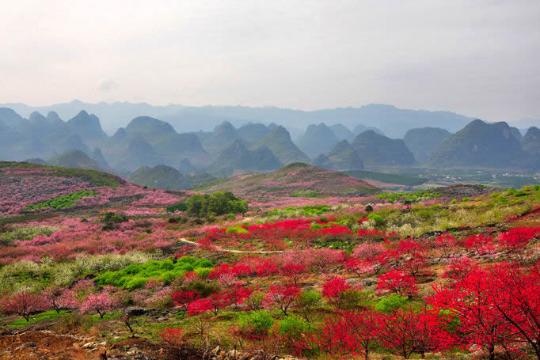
392, 121
150, 148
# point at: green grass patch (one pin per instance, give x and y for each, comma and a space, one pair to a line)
62, 201
313, 210
306, 194
236, 230
24, 233
408, 196
49, 315
136, 275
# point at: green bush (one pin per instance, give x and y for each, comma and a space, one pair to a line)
209, 205
136, 275
309, 298
391, 303
308, 301
351, 299
378, 219
111, 220
111, 217
177, 207
256, 322
62, 201
293, 327
255, 300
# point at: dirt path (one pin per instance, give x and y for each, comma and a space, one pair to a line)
233, 251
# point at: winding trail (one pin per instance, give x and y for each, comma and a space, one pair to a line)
233, 251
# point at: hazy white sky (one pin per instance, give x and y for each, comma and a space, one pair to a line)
477, 57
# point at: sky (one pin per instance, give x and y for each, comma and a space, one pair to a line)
480, 58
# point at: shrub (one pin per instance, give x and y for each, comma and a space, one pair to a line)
209, 205
110, 220
377, 219
172, 336
309, 299
398, 282
334, 287
111, 217
256, 323
293, 327
390, 303
255, 300
351, 299
177, 207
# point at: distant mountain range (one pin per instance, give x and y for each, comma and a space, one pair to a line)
392, 121
147, 143
481, 144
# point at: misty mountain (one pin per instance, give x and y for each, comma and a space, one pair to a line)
148, 142
237, 157
375, 149
253, 132
531, 141
318, 139
342, 157
278, 140
75, 159
160, 176
360, 128
36, 137
531, 146
480, 144
9, 118
223, 136
394, 122
424, 141
342, 132
85, 125
156, 141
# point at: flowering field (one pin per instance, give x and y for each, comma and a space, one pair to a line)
441, 278
30, 188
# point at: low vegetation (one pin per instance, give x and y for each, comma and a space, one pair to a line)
62, 201
411, 275
210, 205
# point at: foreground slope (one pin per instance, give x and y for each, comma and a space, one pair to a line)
136, 278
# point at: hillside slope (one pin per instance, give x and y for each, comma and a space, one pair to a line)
294, 180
